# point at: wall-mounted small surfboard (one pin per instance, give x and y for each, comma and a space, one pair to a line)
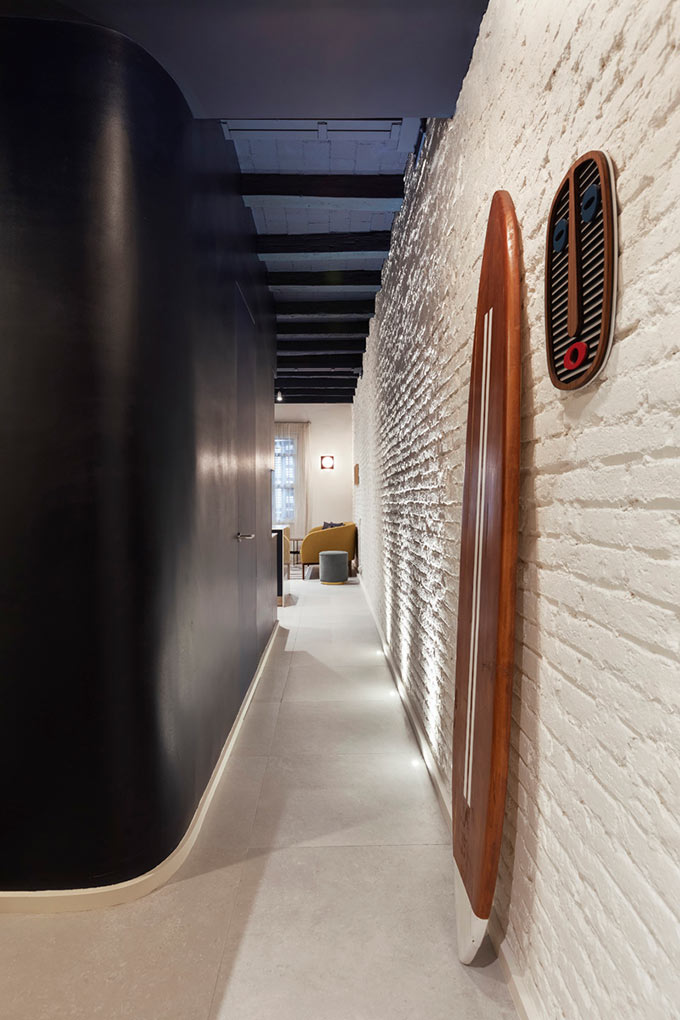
580, 273
488, 557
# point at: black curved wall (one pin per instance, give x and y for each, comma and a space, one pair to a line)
126, 260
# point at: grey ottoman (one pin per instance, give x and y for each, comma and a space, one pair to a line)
333, 566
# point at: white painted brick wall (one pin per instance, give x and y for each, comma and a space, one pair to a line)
589, 885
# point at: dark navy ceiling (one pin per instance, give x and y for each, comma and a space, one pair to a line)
324, 101
305, 58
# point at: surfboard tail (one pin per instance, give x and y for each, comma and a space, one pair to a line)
470, 929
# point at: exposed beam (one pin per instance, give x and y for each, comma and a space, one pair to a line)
299, 348
320, 335
379, 129
317, 385
302, 398
312, 361
315, 382
354, 344
377, 241
358, 329
317, 388
323, 260
301, 381
326, 278
303, 395
345, 375
310, 202
324, 185
290, 311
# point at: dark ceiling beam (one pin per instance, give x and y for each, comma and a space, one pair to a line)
319, 335
364, 241
311, 382
357, 329
319, 338
296, 310
324, 185
337, 387
302, 396
326, 388
318, 398
299, 348
312, 361
343, 375
326, 278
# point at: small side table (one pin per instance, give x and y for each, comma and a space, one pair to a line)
333, 566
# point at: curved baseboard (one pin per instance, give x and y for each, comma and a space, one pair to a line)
51, 901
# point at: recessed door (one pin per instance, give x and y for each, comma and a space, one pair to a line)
246, 338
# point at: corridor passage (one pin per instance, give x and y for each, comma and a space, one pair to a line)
321, 887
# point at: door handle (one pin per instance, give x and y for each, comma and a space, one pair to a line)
241, 537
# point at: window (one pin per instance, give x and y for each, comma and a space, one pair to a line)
290, 476
285, 455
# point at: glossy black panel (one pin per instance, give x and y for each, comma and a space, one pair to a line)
119, 643
247, 499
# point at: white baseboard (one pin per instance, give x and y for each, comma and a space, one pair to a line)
50, 901
522, 996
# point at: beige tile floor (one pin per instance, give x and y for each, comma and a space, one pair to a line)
321, 887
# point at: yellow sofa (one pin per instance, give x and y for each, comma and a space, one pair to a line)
318, 539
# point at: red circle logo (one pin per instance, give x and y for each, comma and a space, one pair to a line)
575, 355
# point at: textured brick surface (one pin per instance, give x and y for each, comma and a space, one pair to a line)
589, 885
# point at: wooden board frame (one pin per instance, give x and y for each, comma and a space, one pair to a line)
486, 606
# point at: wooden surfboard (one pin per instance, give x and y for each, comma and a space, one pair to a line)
488, 557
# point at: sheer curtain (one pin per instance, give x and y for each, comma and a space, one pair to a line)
292, 508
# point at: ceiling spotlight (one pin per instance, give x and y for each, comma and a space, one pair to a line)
279, 396
327, 463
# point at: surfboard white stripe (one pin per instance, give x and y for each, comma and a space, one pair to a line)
473, 619
485, 446
478, 557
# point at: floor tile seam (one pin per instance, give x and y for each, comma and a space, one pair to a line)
293, 638
392, 703
285, 685
210, 1015
311, 675
257, 799
274, 666
407, 755
344, 668
336, 754
267, 752
354, 667
323, 701
229, 924
351, 671
346, 846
